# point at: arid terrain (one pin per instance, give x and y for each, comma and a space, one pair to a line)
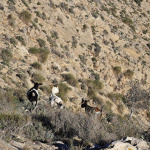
96, 50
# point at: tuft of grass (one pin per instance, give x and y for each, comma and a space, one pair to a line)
148, 115
11, 20
117, 70
46, 89
115, 96
37, 65
70, 79
40, 52
95, 84
83, 59
129, 74
13, 41
41, 42
12, 1
38, 78
21, 40
6, 56
25, 16
11, 120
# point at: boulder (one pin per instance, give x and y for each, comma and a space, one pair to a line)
128, 143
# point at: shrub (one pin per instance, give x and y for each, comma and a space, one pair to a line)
70, 79
42, 53
94, 84
83, 59
21, 40
35, 26
24, 2
37, 65
51, 41
46, 89
97, 48
74, 42
38, 3
115, 96
41, 42
11, 20
12, 1
54, 35
38, 78
13, 41
63, 91
127, 20
138, 2
6, 56
11, 120
148, 45
129, 74
25, 16
148, 115
117, 70
85, 27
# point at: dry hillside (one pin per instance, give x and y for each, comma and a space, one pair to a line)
93, 49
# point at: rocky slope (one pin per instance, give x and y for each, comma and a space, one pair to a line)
93, 49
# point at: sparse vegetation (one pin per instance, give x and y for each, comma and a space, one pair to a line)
117, 70
95, 84
38, 78
6, 56
115, 96
138, 2
25, 16
37, 65
11, 120
21, 40
13, 41
63, 91
11, 21
83, 59
40, 52
41, 42
70, 79
129, 74
74, 42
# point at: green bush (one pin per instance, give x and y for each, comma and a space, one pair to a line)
37, 65
38, 78
13, 41
70, 79
41, 42
25, 3
12, 1
127, 20
95, 84
6, 56
21, 40
117, 70
11, 120
25, 16
46, 89
83, 59
41, 53
11, 20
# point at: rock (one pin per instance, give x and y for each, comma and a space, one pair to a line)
128, 143
6, 146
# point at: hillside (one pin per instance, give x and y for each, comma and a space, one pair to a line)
97, 50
